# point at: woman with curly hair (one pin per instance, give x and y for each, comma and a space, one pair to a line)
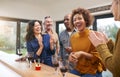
88, 64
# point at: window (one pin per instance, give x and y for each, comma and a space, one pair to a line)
22, 36
106, 24
60, 27
8, 36
12, 33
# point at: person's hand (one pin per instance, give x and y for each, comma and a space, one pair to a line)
68, 49
40, 41
102, 36
40, 49
52, 38
73, 58
82, 54
41, 46
21, 59
97, 38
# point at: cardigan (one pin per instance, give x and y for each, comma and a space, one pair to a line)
111, 61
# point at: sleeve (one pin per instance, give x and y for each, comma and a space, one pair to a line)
112, 61
61, 47
29, 47
46, 42
110, 45
105, 55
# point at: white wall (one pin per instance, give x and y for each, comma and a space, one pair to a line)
19, 9
37, 9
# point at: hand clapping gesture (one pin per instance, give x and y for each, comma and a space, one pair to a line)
40, 44
52, 41
97, 38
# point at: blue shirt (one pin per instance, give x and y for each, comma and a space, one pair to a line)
65, 42
46, 55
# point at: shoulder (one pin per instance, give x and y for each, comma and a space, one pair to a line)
56, 35
76, 34
62, 33
32, 41
46, 35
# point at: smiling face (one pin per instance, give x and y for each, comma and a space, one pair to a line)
48, 23
37, 28
81, 18
67, 21
79, 22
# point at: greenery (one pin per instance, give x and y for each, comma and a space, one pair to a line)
111, 31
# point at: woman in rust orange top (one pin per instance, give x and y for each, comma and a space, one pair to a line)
90, 65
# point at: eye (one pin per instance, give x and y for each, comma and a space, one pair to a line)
74, 19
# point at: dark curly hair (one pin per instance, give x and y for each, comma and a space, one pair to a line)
30, 34
86, 15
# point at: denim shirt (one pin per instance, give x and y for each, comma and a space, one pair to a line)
65, 42
45, 57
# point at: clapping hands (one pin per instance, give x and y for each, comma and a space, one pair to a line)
97, 38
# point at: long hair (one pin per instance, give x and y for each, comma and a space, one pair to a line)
30, 34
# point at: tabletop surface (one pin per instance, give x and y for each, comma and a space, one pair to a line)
22, 68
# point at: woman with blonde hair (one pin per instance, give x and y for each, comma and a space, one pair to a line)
105, 46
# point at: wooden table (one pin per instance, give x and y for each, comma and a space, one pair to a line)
23, 69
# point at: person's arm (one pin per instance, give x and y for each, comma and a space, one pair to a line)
49, 43
61, 52
57, 47
52, 44
105, 55
39, 51
81, 54
74, 56
21, 59
99, 41
57, 43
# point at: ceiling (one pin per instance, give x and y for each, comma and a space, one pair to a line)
55, 8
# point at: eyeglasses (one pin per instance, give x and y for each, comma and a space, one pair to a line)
47, 17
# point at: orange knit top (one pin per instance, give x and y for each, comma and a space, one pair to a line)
80, 42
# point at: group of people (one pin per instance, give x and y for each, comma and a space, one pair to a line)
88, 51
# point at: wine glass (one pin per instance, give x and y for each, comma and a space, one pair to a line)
19, 53
55, 63
30, 57
64, 67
